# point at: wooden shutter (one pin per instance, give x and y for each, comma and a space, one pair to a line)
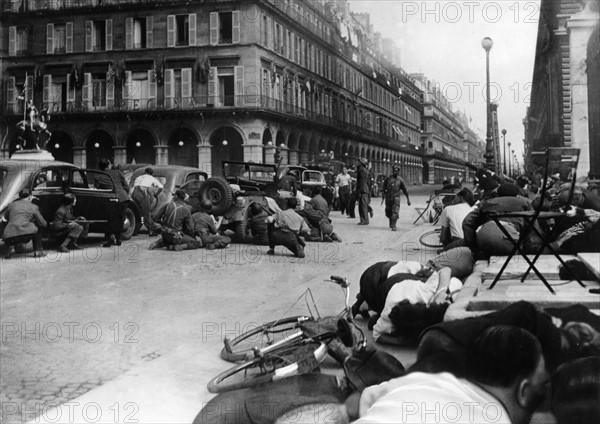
12, 41
89, 29
214, 28
49, 38
269, 33
169, 87
239, 85
186, 86
293, 47
47, 93
149, 32
213, 86
109, 35
171, 31
70, 91
11, 94
86, 94
192, 29
110, 93
69, 37
151, 89
129, 34
236, 27
127, 87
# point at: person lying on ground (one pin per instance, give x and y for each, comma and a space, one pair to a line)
506, 371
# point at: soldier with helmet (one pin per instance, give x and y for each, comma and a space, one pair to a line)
392, 187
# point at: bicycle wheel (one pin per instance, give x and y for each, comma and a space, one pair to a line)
273, 334
285, 362
432, 239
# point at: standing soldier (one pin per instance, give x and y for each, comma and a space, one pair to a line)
391, 192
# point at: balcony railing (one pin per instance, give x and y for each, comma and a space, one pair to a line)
40, 5
249, 101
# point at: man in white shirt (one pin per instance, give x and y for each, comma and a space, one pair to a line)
343, 183
145, 188
453, 216
506, 381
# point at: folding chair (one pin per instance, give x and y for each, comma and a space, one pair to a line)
556, 159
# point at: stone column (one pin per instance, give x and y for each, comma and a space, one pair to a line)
269, 154
119, 155
284, 152
79, 157
205, 158
252, 152
161, 154
580, 27
294, 156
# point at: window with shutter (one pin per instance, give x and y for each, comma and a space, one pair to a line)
171, 31
214, 28
86, 93
239, 86
69, 37
151, 90
12, 41
169, 88
88, 36
213, 86
149, 32
236, 27
186, 87
47, 93
109, 34
11, 94
128, 33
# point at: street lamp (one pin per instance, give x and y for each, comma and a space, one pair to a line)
514, 156
510, 160
504, 151
487, 44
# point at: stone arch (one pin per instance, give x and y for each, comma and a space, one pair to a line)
99, 145
61, 146
226, 142
183, 147
140, 147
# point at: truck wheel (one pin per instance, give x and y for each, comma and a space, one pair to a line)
130, 224
241, 229
218, 191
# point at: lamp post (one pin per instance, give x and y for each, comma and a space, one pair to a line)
487, 44
514, 156
510, 157
504, 152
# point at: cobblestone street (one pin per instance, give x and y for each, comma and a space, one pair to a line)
73, 322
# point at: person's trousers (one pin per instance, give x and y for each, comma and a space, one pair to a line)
344, 194
350, 208
142, 197
25, 238
392, 210
215, 241
363, 207
459, 260
279, 237
117, 235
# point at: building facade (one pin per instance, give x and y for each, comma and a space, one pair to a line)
197, 83
565, 95
443, 142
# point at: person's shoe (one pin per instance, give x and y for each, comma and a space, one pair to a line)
170, 247
10, 252
108, 243
371, 213
75, 246
350, 217
154, 245
180, 247
270, 252
300, 253
394, 229
62, 249
118, 243
327, 239
210, 246
335, 237
39, 254
362, 223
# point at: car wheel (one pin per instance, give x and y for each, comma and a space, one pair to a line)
241, 229
219, 192
130, 224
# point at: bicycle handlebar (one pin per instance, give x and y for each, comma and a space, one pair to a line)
339, 280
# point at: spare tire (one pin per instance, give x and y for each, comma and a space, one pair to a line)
219, 192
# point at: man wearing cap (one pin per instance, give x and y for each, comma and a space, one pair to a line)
178, 229
391, 192
65, 225
103, 181
362, 191
145, 189
207, 229
24, 223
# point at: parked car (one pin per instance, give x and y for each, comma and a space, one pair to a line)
49, 180
172, 177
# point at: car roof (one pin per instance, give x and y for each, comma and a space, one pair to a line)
36, 163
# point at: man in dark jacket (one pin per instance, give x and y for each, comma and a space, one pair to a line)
178, 229
362, 190
392, 187
24, 223
65, 225
103, 181
207, 230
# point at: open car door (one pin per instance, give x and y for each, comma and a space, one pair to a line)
94, 203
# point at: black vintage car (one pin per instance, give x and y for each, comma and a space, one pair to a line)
49, 180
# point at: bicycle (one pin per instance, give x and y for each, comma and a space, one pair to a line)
432, 239
435, 205
288, 346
